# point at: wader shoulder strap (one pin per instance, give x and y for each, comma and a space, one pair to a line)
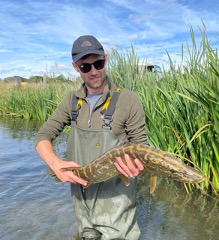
76, 105
108, 116
109, 108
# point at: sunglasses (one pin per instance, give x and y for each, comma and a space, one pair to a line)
86, 67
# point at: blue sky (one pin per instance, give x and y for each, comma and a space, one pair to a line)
36, 36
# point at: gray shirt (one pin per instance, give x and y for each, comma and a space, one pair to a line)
93, 99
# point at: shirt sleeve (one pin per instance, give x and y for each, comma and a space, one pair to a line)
135, 123
56, 123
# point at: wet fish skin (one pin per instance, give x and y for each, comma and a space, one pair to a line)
156, 161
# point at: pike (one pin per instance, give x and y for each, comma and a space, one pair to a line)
156, 161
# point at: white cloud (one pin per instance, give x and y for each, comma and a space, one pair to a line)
38, 35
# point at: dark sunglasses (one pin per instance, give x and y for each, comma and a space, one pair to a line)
86, 67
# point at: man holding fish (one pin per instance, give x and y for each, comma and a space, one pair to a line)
101, 116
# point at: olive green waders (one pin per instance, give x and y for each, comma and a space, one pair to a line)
106, 210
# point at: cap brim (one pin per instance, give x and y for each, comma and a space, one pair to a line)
78, 56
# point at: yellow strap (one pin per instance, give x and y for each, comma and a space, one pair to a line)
79, 103
106, 104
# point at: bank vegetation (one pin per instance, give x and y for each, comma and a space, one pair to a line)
181, 105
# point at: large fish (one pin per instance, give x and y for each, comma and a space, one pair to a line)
155, 161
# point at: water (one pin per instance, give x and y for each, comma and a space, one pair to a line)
34, 207
170, 214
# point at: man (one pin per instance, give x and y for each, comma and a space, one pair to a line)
106, 210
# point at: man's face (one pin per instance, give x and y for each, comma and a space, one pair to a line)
95, 80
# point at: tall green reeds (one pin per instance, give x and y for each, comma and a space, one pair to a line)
126, 70
181, 108
33, 101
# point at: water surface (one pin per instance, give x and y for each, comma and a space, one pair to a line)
34, 207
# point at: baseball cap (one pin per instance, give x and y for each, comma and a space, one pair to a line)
85, 45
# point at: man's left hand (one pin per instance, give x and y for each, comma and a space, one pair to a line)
128, 168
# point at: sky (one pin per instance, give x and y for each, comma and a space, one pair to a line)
36, 37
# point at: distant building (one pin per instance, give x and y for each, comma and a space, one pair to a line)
149, 68
16, 80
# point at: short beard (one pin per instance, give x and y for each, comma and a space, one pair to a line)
96, 85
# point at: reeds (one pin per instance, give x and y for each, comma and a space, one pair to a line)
181, 106
33, 101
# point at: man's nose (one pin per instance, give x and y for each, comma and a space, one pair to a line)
93, 70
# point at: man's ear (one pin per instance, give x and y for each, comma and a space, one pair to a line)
106, 58
75, 66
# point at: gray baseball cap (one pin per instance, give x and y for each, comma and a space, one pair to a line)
85, 45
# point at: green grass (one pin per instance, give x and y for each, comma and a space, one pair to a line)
33, 101
181, 108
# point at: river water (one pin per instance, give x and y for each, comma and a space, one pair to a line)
34, 207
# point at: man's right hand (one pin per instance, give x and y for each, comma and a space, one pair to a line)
67, 176
45, 151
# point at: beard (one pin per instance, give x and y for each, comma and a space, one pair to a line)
95, 84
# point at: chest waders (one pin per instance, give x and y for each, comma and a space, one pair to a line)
105, 210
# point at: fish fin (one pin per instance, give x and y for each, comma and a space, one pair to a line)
124, 179
153, 183
88, 184
52, 174
57, 180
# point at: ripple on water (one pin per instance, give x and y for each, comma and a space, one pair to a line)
33, 207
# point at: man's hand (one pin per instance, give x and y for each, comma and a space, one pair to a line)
67, 176
45, 151
128, 168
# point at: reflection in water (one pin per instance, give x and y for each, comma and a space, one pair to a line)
174, 215
33, 207
19, 128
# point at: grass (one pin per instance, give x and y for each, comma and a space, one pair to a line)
181, 107
33, 101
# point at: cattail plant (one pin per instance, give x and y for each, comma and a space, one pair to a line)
181, 107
